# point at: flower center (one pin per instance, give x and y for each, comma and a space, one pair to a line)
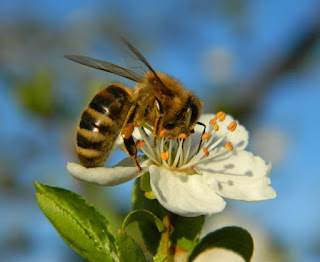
184, 153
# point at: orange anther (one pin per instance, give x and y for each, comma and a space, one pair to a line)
205, 150
221, 115
216, 127
162, 133
135, 124
229, 146
164, 155
232, 126
140, 143
213, 121
206, 136
183, 135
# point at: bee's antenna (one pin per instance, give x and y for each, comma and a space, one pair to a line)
142, 59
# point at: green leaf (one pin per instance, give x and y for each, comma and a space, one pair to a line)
80, 225
160, 258
187, 231
149, 232
146, 187
233, 238
129, 249
142, 216
149, 195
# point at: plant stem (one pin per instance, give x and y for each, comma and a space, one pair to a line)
166, 248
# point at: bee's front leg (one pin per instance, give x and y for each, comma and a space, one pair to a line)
156, 128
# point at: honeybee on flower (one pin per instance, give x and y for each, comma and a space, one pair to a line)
191, 175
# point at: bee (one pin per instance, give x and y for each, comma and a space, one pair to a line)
158, 102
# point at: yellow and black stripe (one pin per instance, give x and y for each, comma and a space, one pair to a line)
101, 123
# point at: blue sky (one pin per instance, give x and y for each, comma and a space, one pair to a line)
292, 108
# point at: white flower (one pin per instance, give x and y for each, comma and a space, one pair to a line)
189, 178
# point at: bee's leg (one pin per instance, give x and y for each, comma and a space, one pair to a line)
126, 133
158, 121
131, 150
156, 129
204, 130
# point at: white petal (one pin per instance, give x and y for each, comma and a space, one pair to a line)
218, 254
238, 138
118, 145
184, 195
107, 176
243, 177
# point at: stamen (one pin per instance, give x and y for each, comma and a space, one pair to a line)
187, 147
183, 136
221, 115
178, 154
229, 146
170, 150
213, 121
232, 126
162, 133
205, 150
206, 136
165, 155
216, 127
148, 150
140, 143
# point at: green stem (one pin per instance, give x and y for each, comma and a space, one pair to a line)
166, 248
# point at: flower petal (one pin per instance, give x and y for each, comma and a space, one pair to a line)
185, 195
118, 145
243, 176
238, 138
107, 176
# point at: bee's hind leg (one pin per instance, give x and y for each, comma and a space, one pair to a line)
131, 149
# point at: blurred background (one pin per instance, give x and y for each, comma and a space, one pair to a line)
257, 60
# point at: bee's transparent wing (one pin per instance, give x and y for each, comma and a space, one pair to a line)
140, 57
105, 66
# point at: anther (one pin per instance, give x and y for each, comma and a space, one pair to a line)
232, 126
213, 121
229, 146
216, 127
206, 136
183, 136
205, 150
140, 143
162, 133
164, 155
221, 115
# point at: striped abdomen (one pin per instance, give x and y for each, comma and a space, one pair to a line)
101, 123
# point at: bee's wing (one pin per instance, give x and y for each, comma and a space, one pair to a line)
105, 66
141, 58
